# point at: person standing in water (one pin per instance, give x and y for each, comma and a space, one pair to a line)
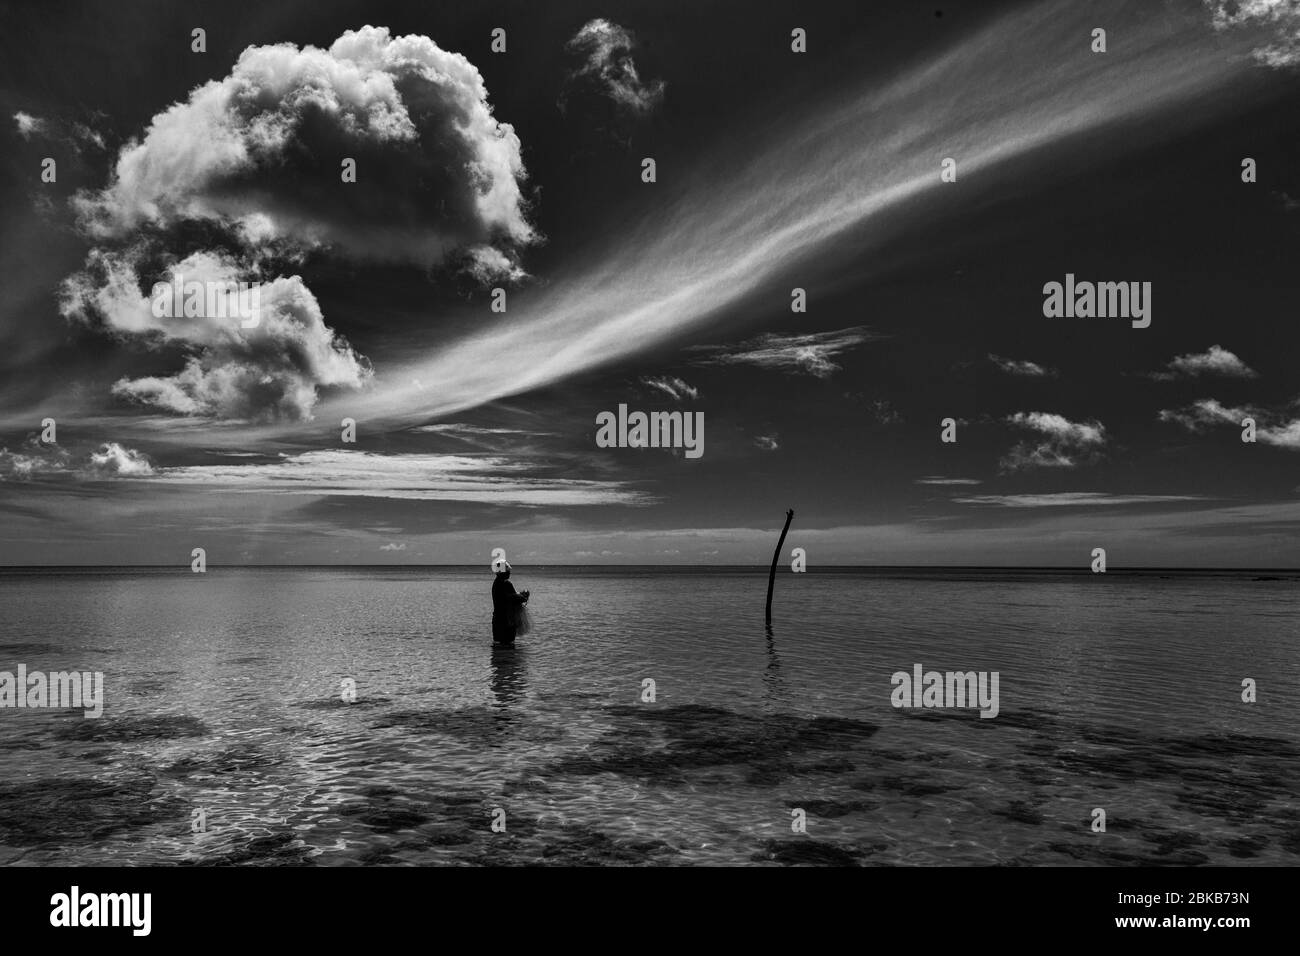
506, 603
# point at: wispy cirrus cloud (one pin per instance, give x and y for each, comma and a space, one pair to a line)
1021, 367
674, 388
809, 354
939, 480
466, 430
488, 479
72, 134
1065, 444
1214, 361
857, 160
1074, 499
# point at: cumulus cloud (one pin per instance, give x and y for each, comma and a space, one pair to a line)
392, 547
38, 460
607, 69
797, 354
1277, 20
113, 459
768, 442
674, 388
1215, 361
1065, 444
33, 459
259, 151
1279, 430
1021, 367
270, 372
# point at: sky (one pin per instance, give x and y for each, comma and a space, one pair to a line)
522, 170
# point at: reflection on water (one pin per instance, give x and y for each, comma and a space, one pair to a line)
223, 703
509, 673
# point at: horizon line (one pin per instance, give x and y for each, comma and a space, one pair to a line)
882, 567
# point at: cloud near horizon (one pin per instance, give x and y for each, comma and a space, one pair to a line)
487, 479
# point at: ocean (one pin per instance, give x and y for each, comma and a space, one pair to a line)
360, 716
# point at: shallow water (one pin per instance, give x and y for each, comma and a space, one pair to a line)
224, 696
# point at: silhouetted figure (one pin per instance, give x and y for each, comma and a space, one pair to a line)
506, 603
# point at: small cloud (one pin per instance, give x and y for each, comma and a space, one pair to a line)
767, 442
112, 459
35, 459
937, 480
29, 125
607, 69
795, 354
392, 547
884, 412
1066, 444
1288, 203
1207, 412
674, 388
488, 264
1216, 361
1021, 367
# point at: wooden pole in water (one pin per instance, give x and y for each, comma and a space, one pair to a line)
776, 556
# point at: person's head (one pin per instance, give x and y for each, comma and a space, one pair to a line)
502, 567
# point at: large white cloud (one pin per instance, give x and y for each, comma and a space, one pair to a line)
269, 372
261, 152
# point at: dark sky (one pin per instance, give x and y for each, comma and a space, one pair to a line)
775, 170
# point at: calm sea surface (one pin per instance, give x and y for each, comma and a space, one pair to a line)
225, 708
